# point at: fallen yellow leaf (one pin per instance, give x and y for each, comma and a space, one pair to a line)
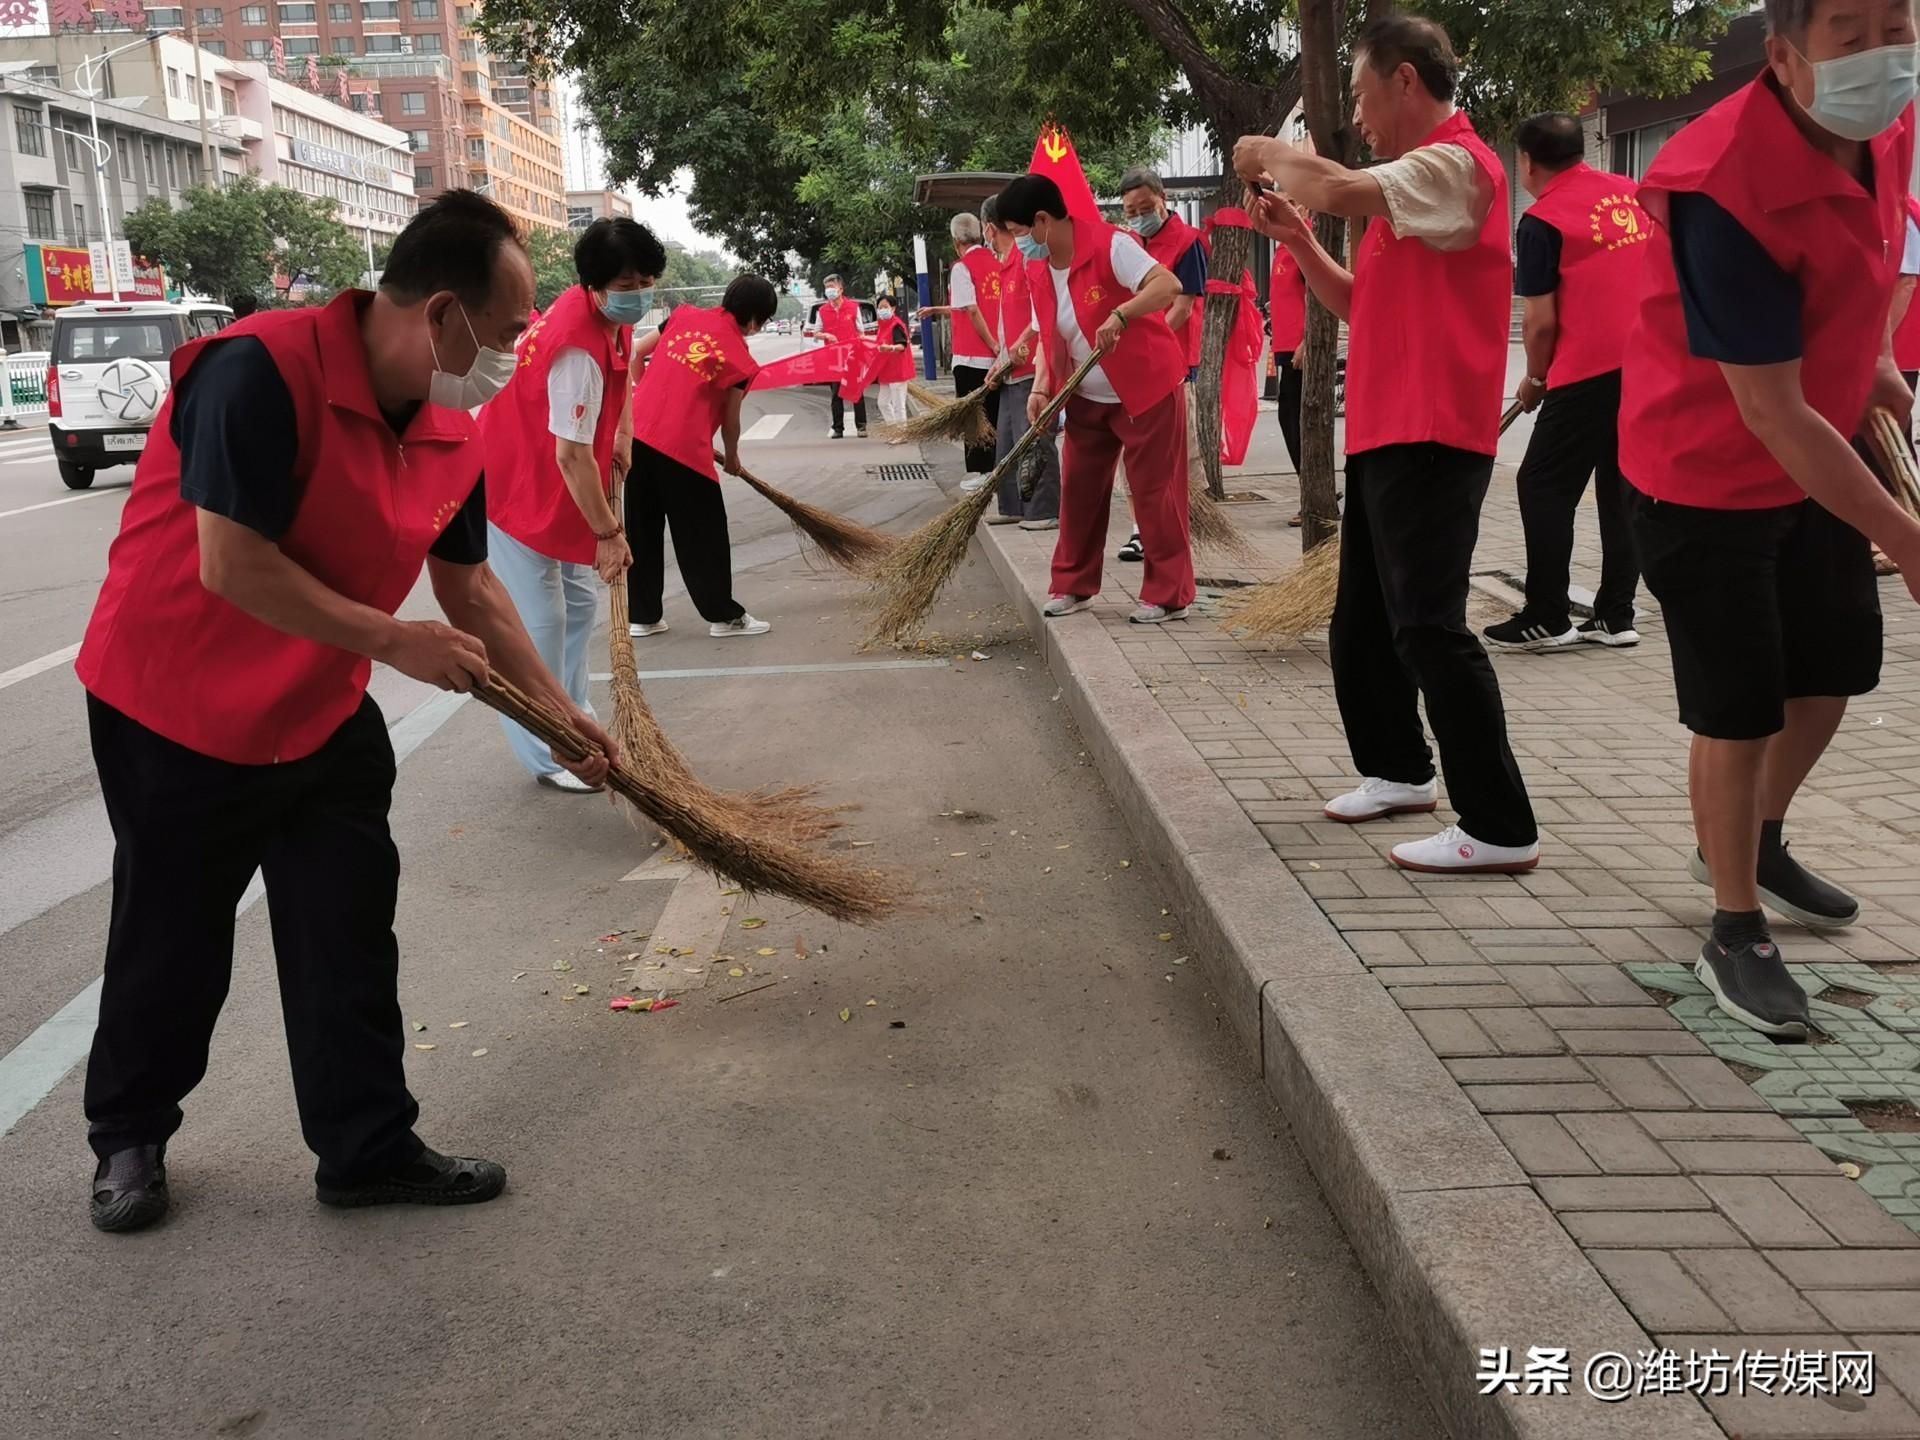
846, 1015
481, 1051
766, 950
424, 1045
418, 1027
1126, 864
458, 1025
872, 1003
582, 990
751, 924
736, 972
1165, 935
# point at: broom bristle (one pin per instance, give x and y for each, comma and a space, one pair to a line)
847, 543
925, 395
1285, 609
909, 580
1214, 532
963, 420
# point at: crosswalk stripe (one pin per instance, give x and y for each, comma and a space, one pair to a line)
766, 427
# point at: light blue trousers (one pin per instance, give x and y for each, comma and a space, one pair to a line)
558, 603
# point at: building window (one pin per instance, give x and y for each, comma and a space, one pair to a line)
193, 169
146, 154
30, 130
343, 44
253, 15
79, 221
373, 102
414, 102
380, 9
433, 43
209, 16
214, 47
301, 44
383, 44
126, 158
165, 19
340, 13
477, 151
418, 140
73, 151
40, 215
258, 49
423, 178
299, 14
229, 100
173, 169
426, 9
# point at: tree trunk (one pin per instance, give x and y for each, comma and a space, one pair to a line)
1319, 505
1231, 245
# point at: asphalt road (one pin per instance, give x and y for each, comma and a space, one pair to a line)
991, 1202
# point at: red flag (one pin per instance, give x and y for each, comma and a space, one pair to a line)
345, 99
279, 50
1240, 366
853, 390
845, 363
313, 72
1055, 157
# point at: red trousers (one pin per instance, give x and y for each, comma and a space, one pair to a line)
1155, 445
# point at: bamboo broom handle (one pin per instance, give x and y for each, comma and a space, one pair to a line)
1047, 417
1896, 460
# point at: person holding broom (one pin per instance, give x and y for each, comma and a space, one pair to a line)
696, 379
1013, 374
557, 441
305, 466
1097, 286
1428, 309
1762, 345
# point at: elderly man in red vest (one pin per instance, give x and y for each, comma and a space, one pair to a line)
1427, 303
305, 466
837, 320
1762, 345
1581, 247
973, 293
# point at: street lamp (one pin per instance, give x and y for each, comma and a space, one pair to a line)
85, 79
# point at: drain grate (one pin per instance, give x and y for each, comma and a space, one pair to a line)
893, 474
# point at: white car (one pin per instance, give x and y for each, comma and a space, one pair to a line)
109, 375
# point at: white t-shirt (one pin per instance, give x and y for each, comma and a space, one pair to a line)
1435, 194
1131, 265
960, 290
1910, 259
574, 384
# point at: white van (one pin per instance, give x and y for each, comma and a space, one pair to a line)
110, 372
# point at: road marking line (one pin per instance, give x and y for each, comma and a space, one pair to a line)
766, 427
29, 1071
841, 667
34, 667
694, 920
63, 500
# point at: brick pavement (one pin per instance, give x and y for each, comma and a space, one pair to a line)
1720, 1213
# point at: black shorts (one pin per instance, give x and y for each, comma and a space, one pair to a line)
1762, 607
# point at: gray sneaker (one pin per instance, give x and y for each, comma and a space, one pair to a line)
745, 625
1049, 524
1751, 984
1058, 605
1156, 615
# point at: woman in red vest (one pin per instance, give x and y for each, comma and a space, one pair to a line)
556, 442
1761, 347
305, 466
697, 375
1581, 248
1097, 286
1428, 306
891, 335
1287, 324
1016, 339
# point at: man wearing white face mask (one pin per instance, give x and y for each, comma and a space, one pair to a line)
304, 468
559, 441
1762, 343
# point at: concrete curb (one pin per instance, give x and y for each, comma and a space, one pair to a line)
1464, 1251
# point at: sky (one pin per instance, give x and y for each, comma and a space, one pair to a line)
665, 214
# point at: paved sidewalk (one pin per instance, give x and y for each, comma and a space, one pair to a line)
1525, 1110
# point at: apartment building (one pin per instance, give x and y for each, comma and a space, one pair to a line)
586, 206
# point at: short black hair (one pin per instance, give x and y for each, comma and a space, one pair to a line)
1789, 17
244, 304
453, 244
1396, 40
1552, 139
1027, 197
750, 300
610, 248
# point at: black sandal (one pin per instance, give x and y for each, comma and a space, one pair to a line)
1133, 550
130, 1189
433, 1179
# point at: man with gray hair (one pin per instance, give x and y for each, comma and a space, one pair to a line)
1030, 497
973, 295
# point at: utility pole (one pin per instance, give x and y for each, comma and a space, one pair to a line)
200, 97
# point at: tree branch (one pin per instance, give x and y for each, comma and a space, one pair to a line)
1232, 104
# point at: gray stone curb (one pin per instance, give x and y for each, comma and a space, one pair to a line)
1463, 1250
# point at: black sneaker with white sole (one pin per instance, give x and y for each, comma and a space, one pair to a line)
1788, 888
1750, 983
1132, 551
1611, 633
1524, 632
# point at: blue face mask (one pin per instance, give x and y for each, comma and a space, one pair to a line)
1146, 226
628, 307
1030, 247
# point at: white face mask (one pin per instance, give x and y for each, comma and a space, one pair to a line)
1860, 96
833, 292
485, 378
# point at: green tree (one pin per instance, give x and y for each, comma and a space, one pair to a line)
552, 254
314, 250
217, 243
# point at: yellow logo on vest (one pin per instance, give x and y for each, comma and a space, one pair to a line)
1618, 221
699, 351
1093, 295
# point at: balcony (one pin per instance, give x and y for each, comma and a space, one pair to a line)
401, 67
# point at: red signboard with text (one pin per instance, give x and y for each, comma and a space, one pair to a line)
62, 275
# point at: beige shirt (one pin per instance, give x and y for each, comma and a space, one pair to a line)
1435, 194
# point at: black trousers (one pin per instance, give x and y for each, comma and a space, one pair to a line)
662, 492
966, 380
840, 412
1400, 634
1577, 437
1290, 391
188, 833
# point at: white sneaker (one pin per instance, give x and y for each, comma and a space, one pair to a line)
1156, 615
1003, 519
1597, 632
568, 781
1053, 524
973, 484
658, 627
1058, 605
745, 625
1376, 798
1454, 852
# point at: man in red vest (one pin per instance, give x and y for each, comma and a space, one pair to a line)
973, 295
1762, 345
1095, 285
555, 443
1287, 323
1016, 337
1581, 246
834, 320
1172, 242
305, 466
1428, 306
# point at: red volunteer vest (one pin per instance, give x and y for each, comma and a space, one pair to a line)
527, 496
968, 347
1603, 232
840, 319
1906, 340
898, 367
1148, 364
195, 668
1016, 306
1681, 435
1428, 354
682, 398
1287, 302
1168, 247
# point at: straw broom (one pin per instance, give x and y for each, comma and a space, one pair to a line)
905, 585
963, 420
1897, 468
847, 543
1285, 609
758, 864
1212, 531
